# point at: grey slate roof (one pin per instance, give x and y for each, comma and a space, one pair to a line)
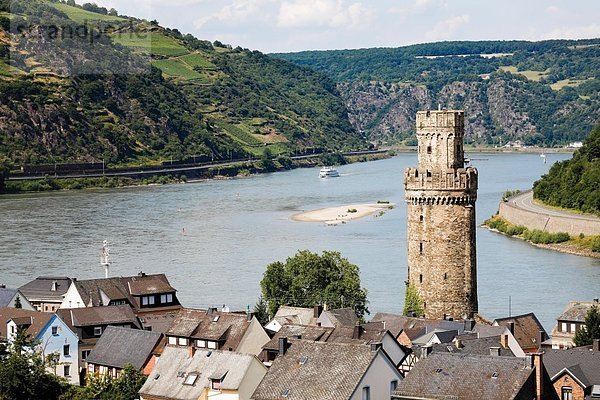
397, 323
342, 316
96, 316
6, 295
228, 328
119, 346
473, 346
576, 311
40, 289
443, 336
466, 377
313, 333
330, 371
583, 364
167, 377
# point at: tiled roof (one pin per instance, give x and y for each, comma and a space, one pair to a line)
313, 333
397, 323
35, 319
472, 345
466, 377
342, 317
583, 364
527, 329
169, 374
228, 328
122, 288
95, 316
6, 295
40, 289
158, 322
119, 346
316, 370
295, 315
576, 311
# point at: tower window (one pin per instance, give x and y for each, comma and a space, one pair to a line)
421, 247
429, 174
421, 218
445, 276
428, 149
420, 278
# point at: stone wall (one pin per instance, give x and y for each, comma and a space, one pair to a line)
548, 223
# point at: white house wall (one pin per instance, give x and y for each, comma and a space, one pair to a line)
378, 377
72, 298
25, 304
393, 349
254, 375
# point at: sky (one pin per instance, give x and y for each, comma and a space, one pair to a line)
295, 25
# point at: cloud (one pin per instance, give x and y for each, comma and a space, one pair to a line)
238, 12
572, 32
444, 30
552, 10
323, 13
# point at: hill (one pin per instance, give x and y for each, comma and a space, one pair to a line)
536, 93
84, 84
574, 183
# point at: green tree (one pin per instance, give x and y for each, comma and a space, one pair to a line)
23, 374
18, 302
307, 279
413, 302
261, 311
4, 172
266, 160
125, 387
591, 328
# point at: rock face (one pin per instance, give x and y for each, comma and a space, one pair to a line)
440, 195
496, 109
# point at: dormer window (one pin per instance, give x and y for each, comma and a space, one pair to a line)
166, 298
97, 331
215, 384
216, 379
147, 300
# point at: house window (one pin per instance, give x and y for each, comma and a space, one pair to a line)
564, 327
172, 340
97, 331
566, 393
201, 343
67, 350
55, 330
166, 298
366, 393
190, 379
212, 345
182, 341
215, 384
573, 327
85, 354
147, 300
66, 370
393, 386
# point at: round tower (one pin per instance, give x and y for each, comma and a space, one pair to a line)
440, 196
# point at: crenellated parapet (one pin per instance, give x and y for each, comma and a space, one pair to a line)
463, 179
430, 200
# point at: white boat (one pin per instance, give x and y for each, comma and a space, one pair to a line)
328, 172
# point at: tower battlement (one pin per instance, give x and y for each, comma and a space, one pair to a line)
459, 180
440, 195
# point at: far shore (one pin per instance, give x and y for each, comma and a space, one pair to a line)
342, 214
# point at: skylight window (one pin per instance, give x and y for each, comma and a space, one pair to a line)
495, 375
216, 318
191, 379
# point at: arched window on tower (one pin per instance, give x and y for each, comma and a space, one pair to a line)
421, 218
445, 276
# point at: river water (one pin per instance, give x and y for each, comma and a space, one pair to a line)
213, 239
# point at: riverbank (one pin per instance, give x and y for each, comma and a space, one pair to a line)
586, 246
342, 214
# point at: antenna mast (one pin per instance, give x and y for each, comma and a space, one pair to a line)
104, 261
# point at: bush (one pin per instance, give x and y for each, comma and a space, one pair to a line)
352, 210
596, 245
515, 230
540, 237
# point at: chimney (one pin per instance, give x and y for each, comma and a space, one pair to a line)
191, 350
494, 351
539, 374
283, 345
458, 343
3, 286
541, 336
511, 327
375, 346
425, 350
357, 331
504, 340
469, 325
596, 345
318, 310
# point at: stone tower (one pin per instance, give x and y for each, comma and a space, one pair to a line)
440, 197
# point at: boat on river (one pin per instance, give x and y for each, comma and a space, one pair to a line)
328, 172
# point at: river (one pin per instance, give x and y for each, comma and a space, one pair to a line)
213, 239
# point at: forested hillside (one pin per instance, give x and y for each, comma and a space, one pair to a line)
574, 183
83, 84
539, 93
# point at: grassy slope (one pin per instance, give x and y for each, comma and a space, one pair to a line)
82, 16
